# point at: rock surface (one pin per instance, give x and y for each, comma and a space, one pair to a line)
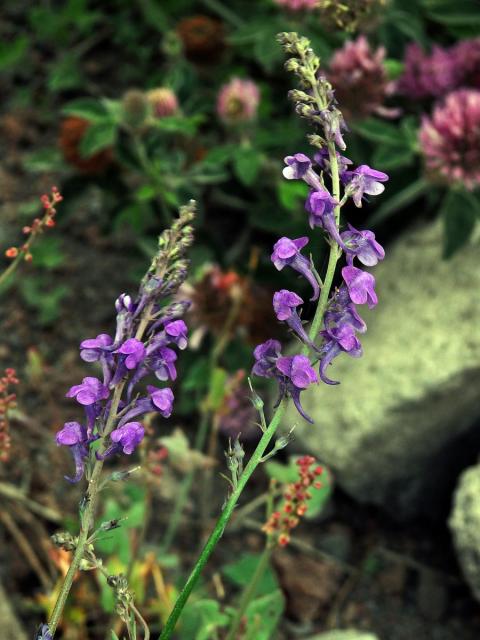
465, 526
394, 430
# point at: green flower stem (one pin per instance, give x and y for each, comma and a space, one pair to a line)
222, 521
250, 591
11, 267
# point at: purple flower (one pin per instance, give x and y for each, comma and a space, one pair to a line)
128, 437
43, 633
286, 252
365, 180
362, 245
334, 124
320, 206
341, 310
296, 375
361, 286
266, 356
93, 349
135, 352
299, 167
90, 391
284, 304
74, 436
162, 362
162, 399
177, 332
338, 339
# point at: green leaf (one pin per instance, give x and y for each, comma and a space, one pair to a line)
97, 137
246, 164
47, 302
44, 160
283, 473
217, 388
388, 158
65, 73
241, 572
460, 210
394, 68
12, 53
263, 616
87, 108
196, 377
114, 635
179, 124
200, 620
380, 132
47, 252
399, 201
291, 193
458, 13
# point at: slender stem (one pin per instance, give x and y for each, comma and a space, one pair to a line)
142, 621
250, 591
152, 174
222, 522
11, 267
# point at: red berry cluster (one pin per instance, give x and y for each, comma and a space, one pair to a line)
296, 497
7, 402
37, 225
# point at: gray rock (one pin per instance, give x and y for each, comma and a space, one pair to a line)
464, 524
347, 634
393, 430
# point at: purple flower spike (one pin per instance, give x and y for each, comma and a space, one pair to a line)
90, 391
162, 399
177, 332
296, 375
74, 436
128, 437
135, 352
320, 206
286, 252
266, 356
365, 180
361, 286
362, 245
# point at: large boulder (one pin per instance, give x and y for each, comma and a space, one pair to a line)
465, 526
396, 430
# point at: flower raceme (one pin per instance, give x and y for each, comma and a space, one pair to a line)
147, 327
326, 175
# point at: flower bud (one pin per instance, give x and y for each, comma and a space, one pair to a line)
135, 108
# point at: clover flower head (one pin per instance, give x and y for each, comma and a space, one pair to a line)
163, 102
238, 101
428, 75
297, 5
450, 139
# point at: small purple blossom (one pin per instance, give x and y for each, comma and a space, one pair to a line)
296, 374
286, 252
361, 286
322, 158
266, 356
90, 391
128, 436
162, 362
365, 180
135, 352
177, 332
320, 206
362, 245
299, 167
339, 339
93, 349
341, 310
43, 633
162, 399
284, 304
74, 436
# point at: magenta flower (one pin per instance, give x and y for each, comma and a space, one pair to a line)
360, 79
467, 57
365, 180
297, 5
428, 75
286, 252
450, 139
361, 286
362, 245
238, 101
